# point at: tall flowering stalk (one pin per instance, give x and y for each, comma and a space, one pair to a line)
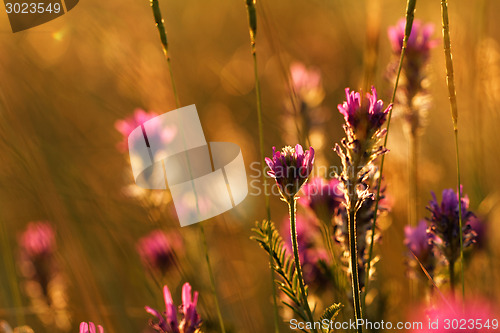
435, 243
364, 117
410, 15
168, 322
164, 41
303, 115
45, 285
291, 167
450, 82
252, 28
364, 219
413, 97
312, 257
445, 227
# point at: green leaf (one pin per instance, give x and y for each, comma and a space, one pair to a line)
329, 314
283, 265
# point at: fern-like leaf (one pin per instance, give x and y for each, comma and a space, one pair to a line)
329, 314
283, 265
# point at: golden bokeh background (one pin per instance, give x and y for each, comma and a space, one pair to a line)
65, 83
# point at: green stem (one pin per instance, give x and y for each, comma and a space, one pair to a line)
353, 252
460, 221
450, 82
413, 179
413, 191
451, 268
410, 13
164, 41
252, 23
212, 279
298, 268
11, 272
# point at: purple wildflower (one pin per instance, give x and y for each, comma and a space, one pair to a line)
290, 167
479, 228
309, 254
363, 115
322, 197
412, 95
155, 132
157, 250
364, 222
90, 328
191, 320
307, 84
420, 41
303, 113
419, 242
37, 245
44, 284
38, 240
445, 227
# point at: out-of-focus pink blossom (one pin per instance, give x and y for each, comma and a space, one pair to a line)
307, 84
155, 132
322, 197
452, 316
157, 250
90, 328
420, 41
38, 240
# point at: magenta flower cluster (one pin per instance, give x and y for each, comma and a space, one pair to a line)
444, 223
290, 167
323, 197
420, 41
90, 328
38, 240
157, 250
360, 114
191, 320
419, 241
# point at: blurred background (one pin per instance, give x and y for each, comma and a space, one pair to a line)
64, 84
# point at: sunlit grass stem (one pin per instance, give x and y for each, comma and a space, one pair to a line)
353, 254
295, 246
10, 269
413, 178
450, 81
252, 24
164, 41
451, 268
410, 15
413, 190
